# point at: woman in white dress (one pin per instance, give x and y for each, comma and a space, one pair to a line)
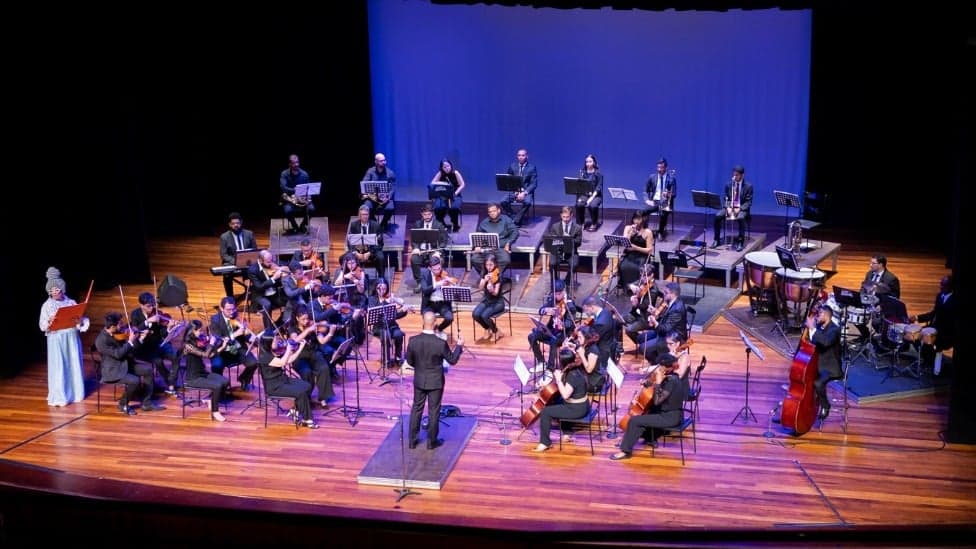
65, 378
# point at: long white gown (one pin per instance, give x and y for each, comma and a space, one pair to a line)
65, 375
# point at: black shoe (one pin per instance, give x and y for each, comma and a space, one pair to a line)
150, 407
431, 444
824, 412
738, 247
127, 410
291, 231
715, 244
413, 443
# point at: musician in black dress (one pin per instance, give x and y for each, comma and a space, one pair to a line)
639, 255
234, 240
391, 328
448, 181
664, 410
493, 304
275, 354
525, 195
560, 313
310, 364
420, 253
197, 345
293, 205
570, 400
825, 335
380, 202
592, 200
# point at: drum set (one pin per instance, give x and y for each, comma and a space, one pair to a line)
859, 314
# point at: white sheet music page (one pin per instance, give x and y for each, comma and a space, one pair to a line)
521, 371
616, 374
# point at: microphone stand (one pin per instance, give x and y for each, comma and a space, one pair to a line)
403, 491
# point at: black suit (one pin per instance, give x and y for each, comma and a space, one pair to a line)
942, 317
827, 341
669, 185
530, 180
442, 308
606, 326
569, 255
888, 285
426, 353
228, 252
376, 252
115, 365
744, 199
673, 319
422, 259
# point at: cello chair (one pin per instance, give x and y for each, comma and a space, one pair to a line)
591, 417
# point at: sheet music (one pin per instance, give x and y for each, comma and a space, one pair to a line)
305, 190
521, 371
622, 193
615, 373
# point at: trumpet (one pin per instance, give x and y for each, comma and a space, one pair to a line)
666, 201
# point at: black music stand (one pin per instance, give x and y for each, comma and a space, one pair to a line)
622, 194
455, 295
382, 315
788, 201
306, 191
576, 186
508, 183
563, 248
620, 242
485, 241
710, 201
347, 349
440, 190
746, 411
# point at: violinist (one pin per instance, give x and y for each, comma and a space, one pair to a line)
420, 253
312, 262
584, 341
370, 255
664, 410
266, 277
197, 346
147, 318
296, 288
637, 257
507, 232
570, 401
380, 202
642, 304
568, 229
432, 282
116, 344
492, 304
825, 335
226, 326
606, 328
559, 313
669, 316
311, 363
354, 280
392, 328
273, 356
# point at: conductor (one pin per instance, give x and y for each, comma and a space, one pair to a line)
426, 353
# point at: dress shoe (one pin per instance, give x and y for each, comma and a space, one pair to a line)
150, 407
127, 410
715, 244
413, 443
620, 455
738, 247
431, 444
824, 412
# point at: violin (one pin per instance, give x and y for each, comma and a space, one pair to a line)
445, 278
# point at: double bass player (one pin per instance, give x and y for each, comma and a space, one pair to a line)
825, 336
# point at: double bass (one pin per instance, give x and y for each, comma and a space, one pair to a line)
800, 405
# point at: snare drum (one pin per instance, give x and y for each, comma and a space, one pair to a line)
928, 335
857, 315
798, 286
913, 332
896, 332
760, 268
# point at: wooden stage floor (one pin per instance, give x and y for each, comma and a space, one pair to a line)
891, 472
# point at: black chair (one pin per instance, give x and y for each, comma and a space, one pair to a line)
694, 390
688, 262
506, 294
591, 417
691, 312
846, 406
97, 359
266, 400
678, 431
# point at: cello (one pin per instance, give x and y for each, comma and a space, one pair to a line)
645, 397
546, 395
800, 405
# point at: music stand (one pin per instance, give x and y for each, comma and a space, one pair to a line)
788, 201
576, 186
351, 413
705, 199
485, 241
374, 187
746, 411
455, 295
621, 193
440, 190
508, 183
382, 315
561, 248
617, 378
787, 258
306, 191
620, 242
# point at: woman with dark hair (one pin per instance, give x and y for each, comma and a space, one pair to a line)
571, 400
636, 258
197, 345
592, 200
275, 354
446, 187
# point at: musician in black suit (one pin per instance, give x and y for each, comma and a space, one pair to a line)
146, 318
292, 177
879, 280
524, 197
942, 317
233, 332
420, 253
235, 239
825, 335
117, 364
606, 326
380, 202
659, 193
427, 352
267, 291
664, 409
561, 313
738, 202
432, 282
674, 318
565, 227
368, 255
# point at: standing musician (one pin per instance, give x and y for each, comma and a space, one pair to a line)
670, 316
380, 202
311, 364
560, 313
432, 282
592, 200
427, 352
642, 302
638, 255
525, 195
493, 303
231, 242
367, 255
566, 228
313, 263
571, 400
825, 335
275, 354
942, 318
419, 252
383, 297
659, 193
226, 326
290, 178
116, 344
147, 318
451, 179
507, 233
665, 410
197, 345
266, 277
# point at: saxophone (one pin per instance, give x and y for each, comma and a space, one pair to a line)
794, 236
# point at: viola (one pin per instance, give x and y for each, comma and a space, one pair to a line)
800, 405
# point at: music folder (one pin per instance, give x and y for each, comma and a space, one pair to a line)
68, 317
507, 182
244, 258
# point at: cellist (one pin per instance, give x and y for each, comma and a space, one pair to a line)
664, 409
570, 402
825, 335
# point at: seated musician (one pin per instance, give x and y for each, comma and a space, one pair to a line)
265, 278
738, 202
565, 227
367, 255
234, 240
311, 364
351, 282
525, 195
560, 314
606, 327
642, 304
116, 346
493, 303
639, 255
432, 282
659, 193
234, 334
198, 345
585, 342
570, 401
507, 232
314, 263
273, 356
451, 181
297, 287
293, 205
380, 202
942, 318
396, 335
879, 281
664, 409
825, 335
672, 316
420, 253
147, 318
326, 310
